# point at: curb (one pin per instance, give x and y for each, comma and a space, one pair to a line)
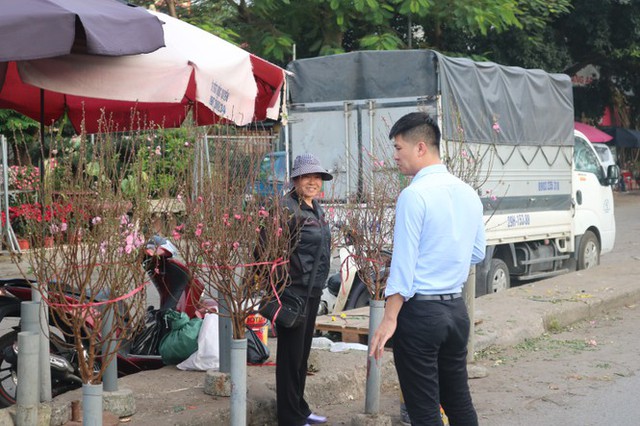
508, 318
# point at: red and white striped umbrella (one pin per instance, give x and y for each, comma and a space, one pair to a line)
195, 71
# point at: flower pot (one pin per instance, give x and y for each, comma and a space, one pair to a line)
23, 243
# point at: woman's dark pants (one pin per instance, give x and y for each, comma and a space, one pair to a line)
293, 347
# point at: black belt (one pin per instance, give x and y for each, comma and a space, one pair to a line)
437, 296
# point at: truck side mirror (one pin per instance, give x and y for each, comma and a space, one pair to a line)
613, 174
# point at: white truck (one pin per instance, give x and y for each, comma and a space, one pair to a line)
548, 201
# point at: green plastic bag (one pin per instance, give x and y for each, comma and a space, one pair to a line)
179, 343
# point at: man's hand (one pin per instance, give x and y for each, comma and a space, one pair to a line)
384, 332
387, 327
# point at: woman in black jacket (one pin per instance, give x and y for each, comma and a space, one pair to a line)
313, 246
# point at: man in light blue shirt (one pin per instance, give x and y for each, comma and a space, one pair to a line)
438, 235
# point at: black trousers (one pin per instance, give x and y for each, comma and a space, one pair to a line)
294, 345
430, 353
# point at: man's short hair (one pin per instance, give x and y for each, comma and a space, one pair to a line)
417, 126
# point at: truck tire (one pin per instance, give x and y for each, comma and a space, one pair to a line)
589, 254
498, 278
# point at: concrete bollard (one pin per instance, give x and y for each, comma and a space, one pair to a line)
238, 382
120, 402
30, 316
225, 336
45, 366
28, 395
92, 404
372, 396
217, 383
110, 376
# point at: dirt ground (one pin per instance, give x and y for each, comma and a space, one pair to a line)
536, 374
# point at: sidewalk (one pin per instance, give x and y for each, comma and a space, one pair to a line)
172, 397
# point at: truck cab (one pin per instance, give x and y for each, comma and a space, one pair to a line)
594, 224
589, 230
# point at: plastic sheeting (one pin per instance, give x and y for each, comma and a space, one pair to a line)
363, 75
510, 105
482, 102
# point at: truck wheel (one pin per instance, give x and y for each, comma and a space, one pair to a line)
589, 254
498, 278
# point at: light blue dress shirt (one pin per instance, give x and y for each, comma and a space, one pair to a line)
438, 235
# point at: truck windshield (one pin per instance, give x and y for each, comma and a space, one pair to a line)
585, 159
605, 154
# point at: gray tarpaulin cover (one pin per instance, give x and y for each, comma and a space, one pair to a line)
363, 75
482, 101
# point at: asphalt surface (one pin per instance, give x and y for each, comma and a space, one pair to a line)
173, 397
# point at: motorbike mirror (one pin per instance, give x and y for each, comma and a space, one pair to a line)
160, 246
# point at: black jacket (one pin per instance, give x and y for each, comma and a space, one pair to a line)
310, 227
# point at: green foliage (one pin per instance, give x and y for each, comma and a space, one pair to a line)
12, 122
554, 35
270, 28
604, 33
384, 41
165, 158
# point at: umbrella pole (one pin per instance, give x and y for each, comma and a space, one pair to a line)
42, 118
45, 371
12, 242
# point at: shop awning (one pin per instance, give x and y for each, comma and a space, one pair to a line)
593, 134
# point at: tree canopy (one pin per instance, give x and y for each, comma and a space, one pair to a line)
554, 35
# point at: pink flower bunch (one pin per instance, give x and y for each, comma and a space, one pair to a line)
132, 241
177, 232
54, 228
199, 229
132, 238
24, 178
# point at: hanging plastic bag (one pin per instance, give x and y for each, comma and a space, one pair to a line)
257, 351
207, 357
182, 340
148, 340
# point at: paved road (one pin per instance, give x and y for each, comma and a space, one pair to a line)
585, 375
627, 212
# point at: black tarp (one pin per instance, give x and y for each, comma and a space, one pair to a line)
482, 101
624, 138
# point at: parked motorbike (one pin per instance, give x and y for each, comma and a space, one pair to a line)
176, 291
345, 289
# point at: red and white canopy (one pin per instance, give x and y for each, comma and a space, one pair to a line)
195, 71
